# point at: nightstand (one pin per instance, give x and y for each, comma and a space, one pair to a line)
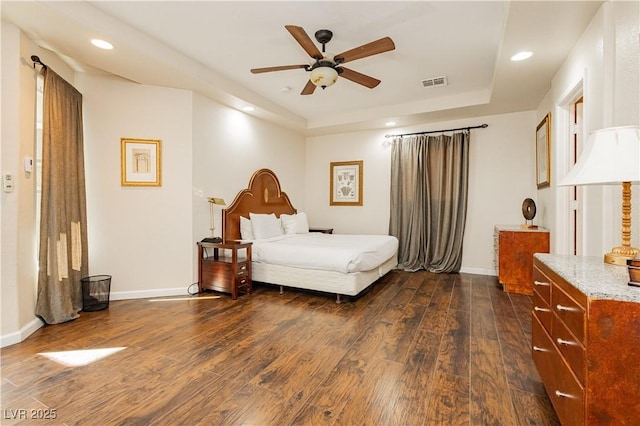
225, 267
323, 230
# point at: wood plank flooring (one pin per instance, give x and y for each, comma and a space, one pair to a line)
416, 349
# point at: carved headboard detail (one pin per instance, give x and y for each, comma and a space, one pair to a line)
263, 195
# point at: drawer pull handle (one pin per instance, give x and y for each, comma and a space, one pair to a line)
566, 308
539, 349
565, 342
539, 309
543, 284
564, 394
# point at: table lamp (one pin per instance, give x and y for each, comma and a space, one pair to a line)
213, 201
611, 157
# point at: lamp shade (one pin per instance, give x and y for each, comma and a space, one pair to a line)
610, 156
218, 201
323, 76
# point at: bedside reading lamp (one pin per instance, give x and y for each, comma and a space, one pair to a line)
611, 156
213, 202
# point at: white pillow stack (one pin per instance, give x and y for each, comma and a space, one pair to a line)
246, 230
265, 225
295, 223
268, 225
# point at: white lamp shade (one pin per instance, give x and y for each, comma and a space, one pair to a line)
611, 156
323, 76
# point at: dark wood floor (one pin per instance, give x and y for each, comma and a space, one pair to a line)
417, 349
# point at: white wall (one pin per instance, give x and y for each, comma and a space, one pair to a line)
18, 229
604, 66
141, 236
502, 175
228, 146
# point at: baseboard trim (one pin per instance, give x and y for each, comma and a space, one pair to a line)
36, 323
479, 271
23, 333
148, 294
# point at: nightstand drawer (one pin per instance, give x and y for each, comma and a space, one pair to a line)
243, 269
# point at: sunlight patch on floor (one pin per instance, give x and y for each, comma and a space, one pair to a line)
80, 357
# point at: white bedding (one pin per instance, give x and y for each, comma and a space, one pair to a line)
328, 252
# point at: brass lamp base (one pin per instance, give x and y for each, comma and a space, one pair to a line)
619, 255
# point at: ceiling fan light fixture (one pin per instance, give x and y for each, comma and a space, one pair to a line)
323, 76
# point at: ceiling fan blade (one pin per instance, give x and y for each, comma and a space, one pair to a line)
359, 78
305, 41
308, 89
379, 46
280, 68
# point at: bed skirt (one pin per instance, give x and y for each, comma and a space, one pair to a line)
349, 284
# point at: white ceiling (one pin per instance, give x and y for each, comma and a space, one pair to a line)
210, 46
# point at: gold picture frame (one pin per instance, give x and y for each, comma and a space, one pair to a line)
345, 185
140, 162
543, 152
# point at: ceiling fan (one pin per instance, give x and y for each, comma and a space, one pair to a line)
326, 69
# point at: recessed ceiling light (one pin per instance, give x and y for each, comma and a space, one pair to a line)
248, 108
390, 123
102, 44
521, 56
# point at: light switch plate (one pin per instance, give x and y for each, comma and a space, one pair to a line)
7, 182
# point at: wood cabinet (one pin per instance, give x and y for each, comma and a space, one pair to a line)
514, 247
586, 339
225, 267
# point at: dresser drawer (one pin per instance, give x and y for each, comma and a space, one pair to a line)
571, 350
544, 354
542, 311
564, 390
568, 397
569, 312
542, 285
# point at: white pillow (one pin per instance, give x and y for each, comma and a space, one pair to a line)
265, 225
246, 230
295, 224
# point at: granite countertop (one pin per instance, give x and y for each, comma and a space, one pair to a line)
521, 228
592, 276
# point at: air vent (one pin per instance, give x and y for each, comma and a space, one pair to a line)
435, 81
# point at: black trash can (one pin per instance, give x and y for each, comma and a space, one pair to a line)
95, 292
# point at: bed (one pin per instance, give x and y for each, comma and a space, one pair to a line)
345, 265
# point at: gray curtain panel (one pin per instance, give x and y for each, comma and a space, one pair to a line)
63, 254
429, 189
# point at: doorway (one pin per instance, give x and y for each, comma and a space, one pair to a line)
575, 200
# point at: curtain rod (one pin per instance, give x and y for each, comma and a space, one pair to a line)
481, 126
37, 60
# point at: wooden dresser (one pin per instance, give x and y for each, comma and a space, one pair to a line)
514, 247
586, 339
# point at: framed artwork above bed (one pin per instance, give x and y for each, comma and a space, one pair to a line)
345, 186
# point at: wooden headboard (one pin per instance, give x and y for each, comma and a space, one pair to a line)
262, 196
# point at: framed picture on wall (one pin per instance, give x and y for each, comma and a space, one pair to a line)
543, 152
346, 183
140, 162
